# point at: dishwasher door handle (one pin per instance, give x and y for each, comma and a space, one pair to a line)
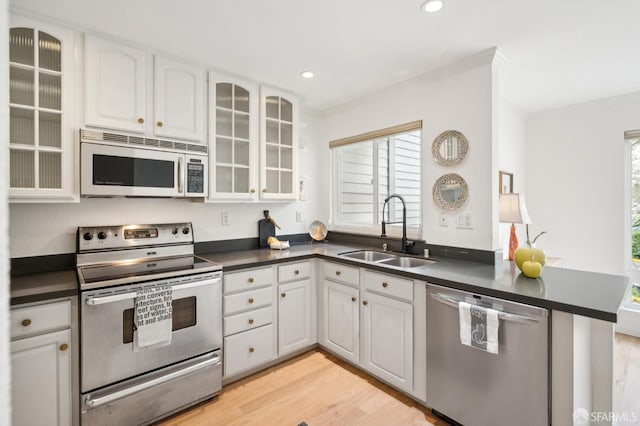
505, 316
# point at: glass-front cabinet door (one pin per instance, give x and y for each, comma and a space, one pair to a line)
41, 158
233, 137
278, 145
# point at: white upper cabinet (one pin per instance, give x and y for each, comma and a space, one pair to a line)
115, 85
233, 137
41, 136
178, 99
278, 145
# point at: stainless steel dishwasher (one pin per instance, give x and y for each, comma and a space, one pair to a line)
477, 388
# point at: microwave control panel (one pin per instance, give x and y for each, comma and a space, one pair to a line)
195, 176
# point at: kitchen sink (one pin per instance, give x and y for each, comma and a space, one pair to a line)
407, 262
369, 255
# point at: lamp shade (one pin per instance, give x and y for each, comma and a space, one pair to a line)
513, 209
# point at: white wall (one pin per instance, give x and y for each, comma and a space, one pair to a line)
458, 97
575, 162
41, 229
5, 374
512, 137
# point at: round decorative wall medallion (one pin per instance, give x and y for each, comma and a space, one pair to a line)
449, 148
450, 191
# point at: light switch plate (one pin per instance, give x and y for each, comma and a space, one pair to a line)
465, 221
298, 216
226, 221
443, 220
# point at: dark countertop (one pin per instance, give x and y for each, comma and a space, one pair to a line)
583, 293
43, 286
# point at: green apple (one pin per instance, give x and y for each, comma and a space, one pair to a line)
531, 268
525, 253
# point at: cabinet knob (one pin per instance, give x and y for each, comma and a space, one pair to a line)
251, 300
250, 321
296, 272
26, 322
264, 189
252, 349
250, 280
160, 123
353, 299
337, 272
365, 303
385, 285
141, 120
253, 191
64, 347
283, 294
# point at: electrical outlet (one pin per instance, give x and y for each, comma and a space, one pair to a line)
465, 221
444, 220
225, 219
298, 216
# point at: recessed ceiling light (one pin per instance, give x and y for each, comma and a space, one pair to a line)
307, 74
432, 6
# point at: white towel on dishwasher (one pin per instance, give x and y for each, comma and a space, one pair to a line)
153, 317
479, 327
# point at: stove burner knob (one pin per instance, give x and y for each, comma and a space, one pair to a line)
102, 235
88, 236
174, 231
185, 231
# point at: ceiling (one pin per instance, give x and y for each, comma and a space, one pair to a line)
558, 52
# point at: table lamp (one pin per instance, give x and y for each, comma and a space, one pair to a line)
513, 210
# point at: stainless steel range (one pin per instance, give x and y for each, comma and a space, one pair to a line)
127, 274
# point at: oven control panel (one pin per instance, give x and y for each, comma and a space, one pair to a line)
91, 238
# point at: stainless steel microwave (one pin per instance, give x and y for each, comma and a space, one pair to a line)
133, 166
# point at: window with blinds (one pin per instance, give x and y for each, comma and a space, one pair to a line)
370, 167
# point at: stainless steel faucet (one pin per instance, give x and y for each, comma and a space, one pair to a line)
404, 220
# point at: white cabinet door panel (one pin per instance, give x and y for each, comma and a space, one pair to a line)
178, 100
115, 85
41, 383
341, 320
388, 339
294, 316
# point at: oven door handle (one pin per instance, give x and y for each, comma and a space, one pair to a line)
96, 402
101, 300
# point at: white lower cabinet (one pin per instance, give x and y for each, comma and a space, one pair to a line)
294, 316
341, 320
41, 366
249, 349
387, 339
369, 318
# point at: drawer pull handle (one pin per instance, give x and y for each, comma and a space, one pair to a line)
385, 285
337, 272
250, 321
26, 323
251, 300
283, 294
353, 299
250, 280
160, 123
296, 272
264, 189
141, 120
365, 303
64, 347
253, 191
252, 349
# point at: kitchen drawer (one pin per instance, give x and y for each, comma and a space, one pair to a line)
247, 300
401, 288
246, 280
249, 349
294, 271
40, 318
341, 273
248, 320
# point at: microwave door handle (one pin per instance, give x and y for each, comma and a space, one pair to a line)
180, 176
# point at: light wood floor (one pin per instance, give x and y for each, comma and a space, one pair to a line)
316, 388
